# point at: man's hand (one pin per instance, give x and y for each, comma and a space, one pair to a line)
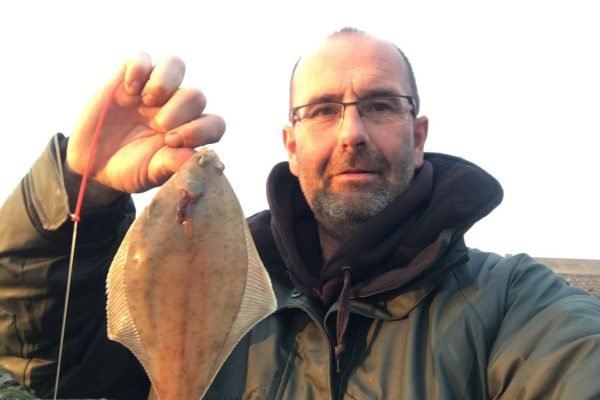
151, 128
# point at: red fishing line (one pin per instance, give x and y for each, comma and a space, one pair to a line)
75, 218
86, 173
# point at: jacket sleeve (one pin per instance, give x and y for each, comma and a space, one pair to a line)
548, 340
35, 242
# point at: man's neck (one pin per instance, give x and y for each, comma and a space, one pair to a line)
331, 241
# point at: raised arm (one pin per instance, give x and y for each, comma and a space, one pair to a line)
151, 128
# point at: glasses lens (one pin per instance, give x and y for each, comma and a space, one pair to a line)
321, 114
384, 109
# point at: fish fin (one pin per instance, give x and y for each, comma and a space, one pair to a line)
258, 302
120, 323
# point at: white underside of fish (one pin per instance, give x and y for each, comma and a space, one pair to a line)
187, 282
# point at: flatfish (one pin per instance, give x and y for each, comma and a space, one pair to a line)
187, 282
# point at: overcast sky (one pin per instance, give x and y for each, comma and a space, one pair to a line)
513, 86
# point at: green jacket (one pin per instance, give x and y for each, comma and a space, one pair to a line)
464, 325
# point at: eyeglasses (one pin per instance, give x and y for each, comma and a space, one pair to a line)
377, 110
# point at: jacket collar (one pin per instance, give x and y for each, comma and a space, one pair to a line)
391, 305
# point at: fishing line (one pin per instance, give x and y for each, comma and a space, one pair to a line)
75, 217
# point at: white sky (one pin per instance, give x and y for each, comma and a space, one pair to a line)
513, 86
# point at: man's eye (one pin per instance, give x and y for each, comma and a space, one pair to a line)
322, 110
378, 106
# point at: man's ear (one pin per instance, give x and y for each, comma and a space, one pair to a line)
420, 136
289, 141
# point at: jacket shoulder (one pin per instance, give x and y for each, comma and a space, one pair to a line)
537, 322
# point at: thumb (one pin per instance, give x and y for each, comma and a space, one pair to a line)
166, 162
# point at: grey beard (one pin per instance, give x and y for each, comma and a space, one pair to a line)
332, 211
341, 217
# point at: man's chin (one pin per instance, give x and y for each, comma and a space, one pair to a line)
356, 191
354, 206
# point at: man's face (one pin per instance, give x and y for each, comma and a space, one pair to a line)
351, 172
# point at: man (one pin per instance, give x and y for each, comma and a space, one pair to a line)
378, 296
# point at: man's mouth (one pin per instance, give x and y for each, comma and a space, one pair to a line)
355, 171
355, 175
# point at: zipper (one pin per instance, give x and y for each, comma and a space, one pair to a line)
323, 331
338, 368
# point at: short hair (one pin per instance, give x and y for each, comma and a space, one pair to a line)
353, 31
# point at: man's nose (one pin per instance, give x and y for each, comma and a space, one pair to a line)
352, 131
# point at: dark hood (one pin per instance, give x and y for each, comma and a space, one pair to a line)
401, 244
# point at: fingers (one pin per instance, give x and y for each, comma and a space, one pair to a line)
180, 147
201, 131
164, 80
182, 117
185, 105
137, 73
148, 85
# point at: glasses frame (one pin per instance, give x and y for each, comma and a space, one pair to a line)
294, 110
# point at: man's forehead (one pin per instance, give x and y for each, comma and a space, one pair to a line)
349, 57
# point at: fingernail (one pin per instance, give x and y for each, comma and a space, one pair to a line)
173, 139
133, 88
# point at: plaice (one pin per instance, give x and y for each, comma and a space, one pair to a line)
187, 282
